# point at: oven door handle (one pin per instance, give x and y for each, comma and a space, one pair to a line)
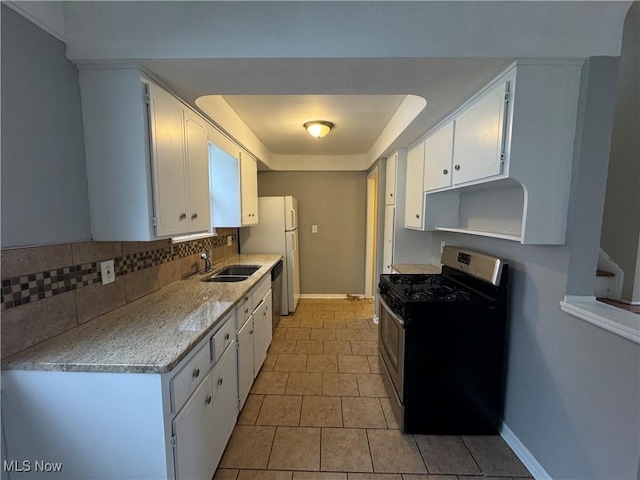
393, 315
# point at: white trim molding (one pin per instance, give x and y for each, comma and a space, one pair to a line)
615, 320
523, 453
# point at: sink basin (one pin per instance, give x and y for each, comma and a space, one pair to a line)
244, 270
226, 278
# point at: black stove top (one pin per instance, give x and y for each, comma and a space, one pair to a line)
401, 291
426, 288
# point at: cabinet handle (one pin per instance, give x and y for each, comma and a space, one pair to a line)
183, 216
445, 171
246, 310
457, 167
194, 216
391, 194
226, 337
250, 332
220, 381
208, 400
417, 216
196, 373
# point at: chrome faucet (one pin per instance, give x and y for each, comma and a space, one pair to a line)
206, 256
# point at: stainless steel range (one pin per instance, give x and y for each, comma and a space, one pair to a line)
442, 344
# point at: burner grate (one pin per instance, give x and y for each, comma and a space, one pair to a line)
441, 293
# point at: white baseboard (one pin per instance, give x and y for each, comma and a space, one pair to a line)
328, 295
523, 454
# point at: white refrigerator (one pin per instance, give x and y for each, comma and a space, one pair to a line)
277, 232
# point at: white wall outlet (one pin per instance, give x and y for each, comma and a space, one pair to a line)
229, 240
314, 228
108, 272
442, 244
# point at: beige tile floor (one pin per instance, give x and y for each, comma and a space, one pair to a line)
318, 410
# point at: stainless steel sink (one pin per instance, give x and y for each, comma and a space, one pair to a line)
226, 278
233, 273
244, 270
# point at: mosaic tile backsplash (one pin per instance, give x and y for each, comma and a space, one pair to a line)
47, 290
28, 288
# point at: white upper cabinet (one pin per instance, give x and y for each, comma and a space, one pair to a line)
511, 155
234, 183
197, 157
390, 184
438, 157
249, 189
414, 191
179, 144
146, 156
479, 137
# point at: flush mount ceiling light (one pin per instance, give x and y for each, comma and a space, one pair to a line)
318, 128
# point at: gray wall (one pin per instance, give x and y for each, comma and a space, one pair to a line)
332, 260
44, 184
573, 389
621, 221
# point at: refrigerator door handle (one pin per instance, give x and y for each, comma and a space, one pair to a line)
293, 219
295, 247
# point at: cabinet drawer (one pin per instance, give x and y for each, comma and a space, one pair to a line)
189, 377
244, 311
223, 338
260, 291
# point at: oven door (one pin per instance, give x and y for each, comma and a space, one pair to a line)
391, 345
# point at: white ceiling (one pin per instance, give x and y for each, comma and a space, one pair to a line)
277, 120
358, 95
441, 51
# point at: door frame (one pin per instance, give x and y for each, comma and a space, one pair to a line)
371, 247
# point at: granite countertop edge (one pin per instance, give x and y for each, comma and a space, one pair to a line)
141, 336
416, 268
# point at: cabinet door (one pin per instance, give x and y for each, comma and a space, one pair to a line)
249, 190
245, 360
263, 332
225, 402
194, 431
438, 154
387, 249
479, 137
197, 159
390, 184
413, 214
169, 169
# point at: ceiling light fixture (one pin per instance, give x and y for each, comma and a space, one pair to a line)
318, 128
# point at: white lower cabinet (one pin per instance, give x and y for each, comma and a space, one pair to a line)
245, 360
262, 332
204, 425
194, 434
254, 336
225, 403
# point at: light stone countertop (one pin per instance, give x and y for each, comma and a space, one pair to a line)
416, 268
149, 335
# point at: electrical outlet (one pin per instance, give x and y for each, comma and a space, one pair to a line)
314, 228
108, 272
442, 244
229, 240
